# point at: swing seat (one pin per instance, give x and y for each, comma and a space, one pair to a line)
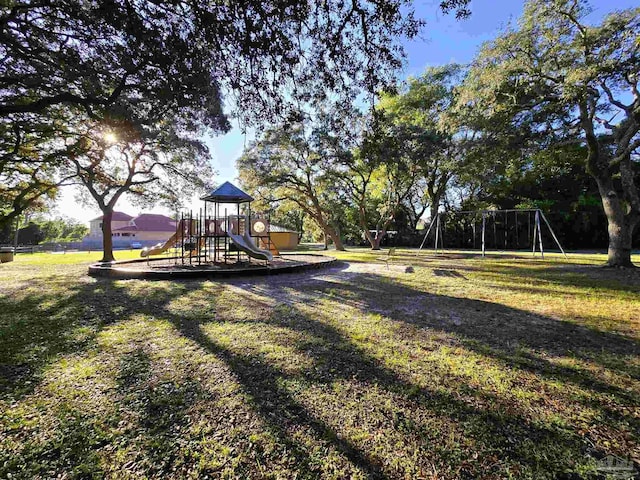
388, 257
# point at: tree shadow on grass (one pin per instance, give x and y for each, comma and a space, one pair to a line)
340, 359
161, 407
277, 407
38, 327
47, 333
558, 275
439, 272
487, 328
336, 359
517, 339
492, 324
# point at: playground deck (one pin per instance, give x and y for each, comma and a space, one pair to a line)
163, 268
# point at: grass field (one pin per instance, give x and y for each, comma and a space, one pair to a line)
504, 367
68, 258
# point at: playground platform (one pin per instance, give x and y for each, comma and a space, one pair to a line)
174, 267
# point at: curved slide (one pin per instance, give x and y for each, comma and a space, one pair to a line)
173, 240
245, 244
159, 248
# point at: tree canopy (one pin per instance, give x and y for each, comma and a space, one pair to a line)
153, 163
65, 63
294, 163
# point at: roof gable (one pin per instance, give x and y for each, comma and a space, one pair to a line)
153, 222
116, 217
150, 222
273, 228
227, 193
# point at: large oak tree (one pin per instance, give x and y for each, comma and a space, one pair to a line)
153, 164
295, 163
575, 82
433, 138
64, 61
378, 175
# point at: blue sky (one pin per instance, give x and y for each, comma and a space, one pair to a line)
444, 40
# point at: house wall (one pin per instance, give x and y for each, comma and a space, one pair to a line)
138, 236
284, 240
95, 229
119, 243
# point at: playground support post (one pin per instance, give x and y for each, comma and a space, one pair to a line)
182, 219
175, 254
535, 234
553, 233
190, 234
437, 231
238, 232
226, 237
433, 221
484, 224
538, 227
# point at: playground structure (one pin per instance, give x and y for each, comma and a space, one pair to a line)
491, 230
216, 236
223, 239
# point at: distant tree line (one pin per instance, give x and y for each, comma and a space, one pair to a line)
39, 229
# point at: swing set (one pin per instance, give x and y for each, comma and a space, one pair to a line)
496, 232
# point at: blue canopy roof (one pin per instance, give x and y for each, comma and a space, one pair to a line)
227, 193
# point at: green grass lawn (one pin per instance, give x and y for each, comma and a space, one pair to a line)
504, 367
69, 258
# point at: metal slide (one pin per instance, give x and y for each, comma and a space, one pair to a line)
245, 244
159, 248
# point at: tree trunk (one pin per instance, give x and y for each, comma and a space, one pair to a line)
620, 225
365, 227
414, 218
373, 241
380, 234
433, 209
335, 238
619, 253
107, 240
622, 216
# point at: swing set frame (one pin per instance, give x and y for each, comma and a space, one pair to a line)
537, 228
